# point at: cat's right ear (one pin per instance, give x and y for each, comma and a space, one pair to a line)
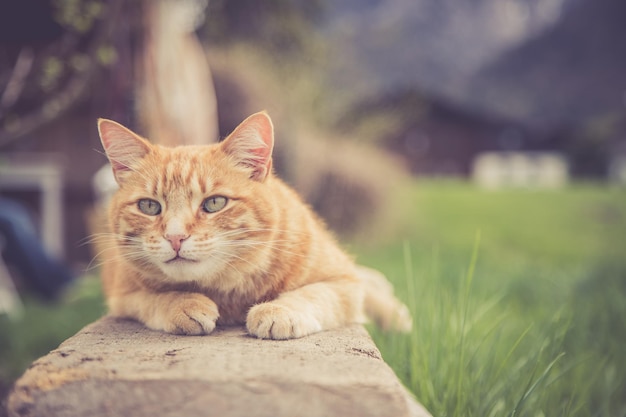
123, 147
250, 145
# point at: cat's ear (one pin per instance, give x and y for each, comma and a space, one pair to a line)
122, 146
251, 144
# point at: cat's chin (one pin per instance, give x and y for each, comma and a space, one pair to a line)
179, 260
188, 269
177, 266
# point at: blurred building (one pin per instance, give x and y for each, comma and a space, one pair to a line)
520, 169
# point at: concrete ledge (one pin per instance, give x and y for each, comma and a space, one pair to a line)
117, 367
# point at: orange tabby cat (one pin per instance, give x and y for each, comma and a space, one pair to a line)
207, 235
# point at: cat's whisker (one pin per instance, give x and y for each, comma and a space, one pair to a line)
92, 265
291, 232
268, 244
137, 255
232, 255
95, 265
112, 246
231, 266
108, 237
246, 231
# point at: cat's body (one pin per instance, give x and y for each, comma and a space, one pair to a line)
207, 234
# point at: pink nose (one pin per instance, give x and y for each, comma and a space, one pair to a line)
176, 241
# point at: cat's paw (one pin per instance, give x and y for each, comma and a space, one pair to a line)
274, 321
190, 314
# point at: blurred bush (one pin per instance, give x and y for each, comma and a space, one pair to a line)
343, 177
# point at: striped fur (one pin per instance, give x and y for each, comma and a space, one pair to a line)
264, 259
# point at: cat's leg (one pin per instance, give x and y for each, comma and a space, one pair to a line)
173, 312
308, 309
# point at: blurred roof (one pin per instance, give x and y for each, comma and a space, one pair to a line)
572, 72
545, 63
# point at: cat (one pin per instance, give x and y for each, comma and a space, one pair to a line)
206, 235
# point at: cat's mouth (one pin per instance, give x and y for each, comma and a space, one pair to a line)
179, 260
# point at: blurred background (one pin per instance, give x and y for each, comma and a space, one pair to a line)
472, 150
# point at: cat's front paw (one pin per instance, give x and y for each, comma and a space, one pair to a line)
189, 314
274, 321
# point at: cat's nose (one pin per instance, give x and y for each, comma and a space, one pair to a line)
176, 241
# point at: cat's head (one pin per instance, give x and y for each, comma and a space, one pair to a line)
192, 212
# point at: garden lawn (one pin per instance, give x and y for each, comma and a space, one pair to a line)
518, 298
42, 326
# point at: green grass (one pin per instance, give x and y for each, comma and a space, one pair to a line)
42, 326
518, 297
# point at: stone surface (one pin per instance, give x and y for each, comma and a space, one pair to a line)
117, 367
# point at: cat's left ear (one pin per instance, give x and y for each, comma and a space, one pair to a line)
123, 147
251, 145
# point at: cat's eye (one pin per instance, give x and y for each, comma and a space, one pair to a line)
213, 204
149, 206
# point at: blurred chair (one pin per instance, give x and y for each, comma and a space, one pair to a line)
41, 173
10, 302
42, 273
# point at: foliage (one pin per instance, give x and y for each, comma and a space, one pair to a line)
281, 27
50, 52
